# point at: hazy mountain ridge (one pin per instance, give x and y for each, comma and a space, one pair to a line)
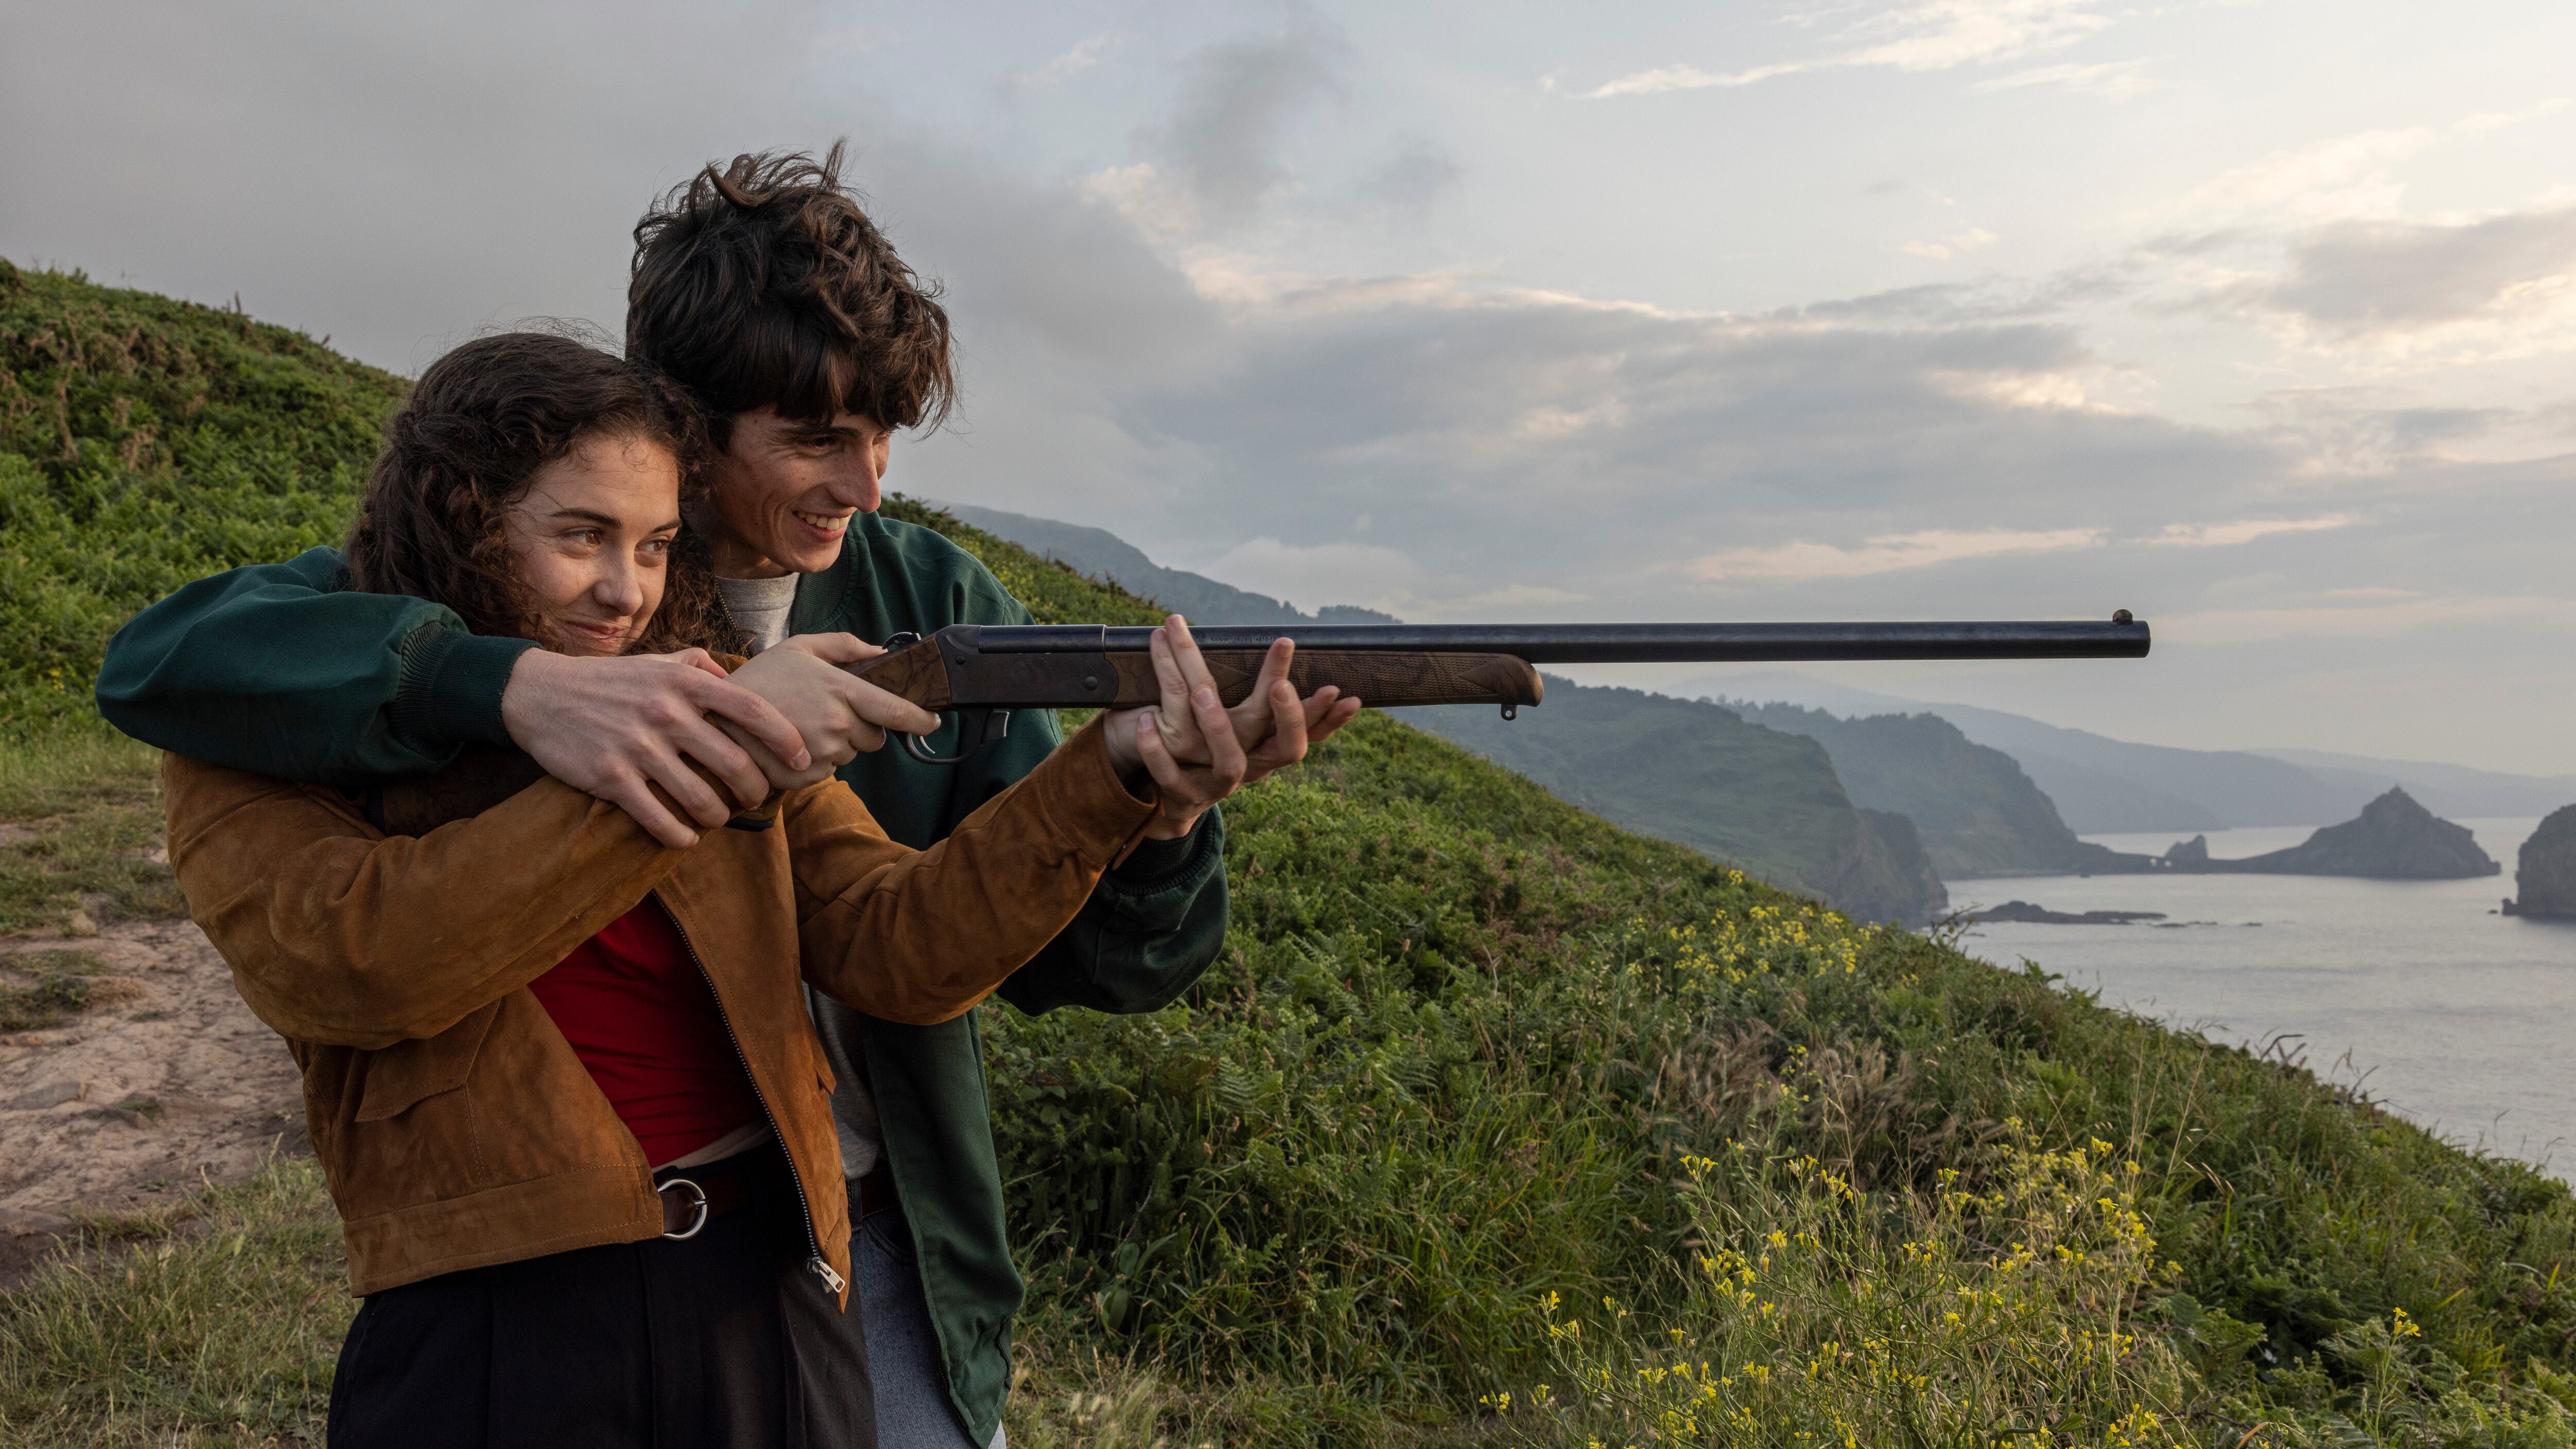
1977, 812
1104, 555
2104, 785
1694, 772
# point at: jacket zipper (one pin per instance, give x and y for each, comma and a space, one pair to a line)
814, 1260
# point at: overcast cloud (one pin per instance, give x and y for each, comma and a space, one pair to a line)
1960, 308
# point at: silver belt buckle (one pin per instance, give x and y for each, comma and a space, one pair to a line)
698, 1197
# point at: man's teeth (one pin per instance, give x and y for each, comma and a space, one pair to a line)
833, 523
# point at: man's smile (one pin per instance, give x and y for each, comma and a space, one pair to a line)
833, 524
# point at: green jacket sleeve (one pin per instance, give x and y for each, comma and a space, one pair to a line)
280, 670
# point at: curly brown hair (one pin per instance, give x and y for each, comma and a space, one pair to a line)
765, 283
467, 444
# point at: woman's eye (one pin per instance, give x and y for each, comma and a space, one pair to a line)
585, 537
657, 547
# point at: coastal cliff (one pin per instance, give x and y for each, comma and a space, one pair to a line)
2392, 839
2545, 876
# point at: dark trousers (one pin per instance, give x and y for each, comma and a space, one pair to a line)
721, 1341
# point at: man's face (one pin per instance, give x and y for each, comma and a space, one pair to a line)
784, 491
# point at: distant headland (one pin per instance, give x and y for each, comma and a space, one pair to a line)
2545, 876
2393, 839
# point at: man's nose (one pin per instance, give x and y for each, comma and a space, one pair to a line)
855, 481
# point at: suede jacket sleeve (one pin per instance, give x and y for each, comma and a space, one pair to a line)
279, 670
921, 936
339, 935
1151, 927
1157, 920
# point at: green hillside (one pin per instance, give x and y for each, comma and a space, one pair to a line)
1496, 1124
144, 442
1978, 813
1692, 772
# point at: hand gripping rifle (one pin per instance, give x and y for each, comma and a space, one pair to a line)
982, 672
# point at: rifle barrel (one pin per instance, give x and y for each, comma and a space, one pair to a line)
2120, 638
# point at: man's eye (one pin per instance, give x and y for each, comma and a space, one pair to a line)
656, 547
586, 537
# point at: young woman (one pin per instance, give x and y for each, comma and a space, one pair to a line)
560, 1077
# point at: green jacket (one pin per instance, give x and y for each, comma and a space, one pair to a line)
278, 670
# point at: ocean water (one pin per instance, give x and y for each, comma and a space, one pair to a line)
2460, 1018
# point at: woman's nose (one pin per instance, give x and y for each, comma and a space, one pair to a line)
620, 590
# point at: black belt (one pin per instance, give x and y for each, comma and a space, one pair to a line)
874, 1193
693, 1197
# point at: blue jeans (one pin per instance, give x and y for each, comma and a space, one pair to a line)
913, 1411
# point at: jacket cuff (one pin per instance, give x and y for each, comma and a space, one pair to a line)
1158, 864
1084, 795
450, 691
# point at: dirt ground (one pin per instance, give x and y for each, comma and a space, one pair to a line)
171, 1082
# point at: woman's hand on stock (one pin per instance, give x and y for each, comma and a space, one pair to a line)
1195, 749
839, 715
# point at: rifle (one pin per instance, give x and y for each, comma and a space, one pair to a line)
982, 672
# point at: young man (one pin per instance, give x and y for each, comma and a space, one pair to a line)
766, 291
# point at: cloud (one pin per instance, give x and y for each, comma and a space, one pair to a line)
1409, 182
2340, 178
1930, 36
1950, 246
2358, 621
2246, 530
1328, 573
1073, 62
2117, 79
1238, 99
2371, 278
1885, 554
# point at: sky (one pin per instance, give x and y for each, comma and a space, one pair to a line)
2256, 317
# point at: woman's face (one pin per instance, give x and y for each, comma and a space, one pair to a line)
591, 542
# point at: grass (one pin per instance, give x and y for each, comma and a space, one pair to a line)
57, 986
87, 812
212, 1322
1470, 1137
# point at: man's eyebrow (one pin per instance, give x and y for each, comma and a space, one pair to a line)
828, 430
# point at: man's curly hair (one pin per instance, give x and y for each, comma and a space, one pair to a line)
764, 283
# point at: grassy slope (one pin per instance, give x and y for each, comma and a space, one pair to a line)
1463, 1038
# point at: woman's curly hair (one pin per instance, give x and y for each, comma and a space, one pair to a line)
468, 443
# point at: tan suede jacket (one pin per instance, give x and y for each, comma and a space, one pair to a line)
453, 1121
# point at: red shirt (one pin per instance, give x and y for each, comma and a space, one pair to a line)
639, 1014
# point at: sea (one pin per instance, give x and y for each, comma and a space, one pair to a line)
2421, 993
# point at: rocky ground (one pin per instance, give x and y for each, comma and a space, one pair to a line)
166, 1081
